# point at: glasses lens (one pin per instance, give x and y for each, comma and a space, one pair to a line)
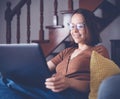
78, 26
71, 26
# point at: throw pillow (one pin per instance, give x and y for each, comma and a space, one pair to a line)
100, 68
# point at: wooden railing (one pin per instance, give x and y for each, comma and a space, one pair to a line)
10, 13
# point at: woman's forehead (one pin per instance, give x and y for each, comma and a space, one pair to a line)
77, 18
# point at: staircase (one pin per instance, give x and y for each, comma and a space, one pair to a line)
59, 34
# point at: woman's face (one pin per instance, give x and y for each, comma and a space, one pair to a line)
78, 29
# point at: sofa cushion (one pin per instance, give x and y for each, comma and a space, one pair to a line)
100, 68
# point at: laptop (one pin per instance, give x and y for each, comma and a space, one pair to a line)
23, 64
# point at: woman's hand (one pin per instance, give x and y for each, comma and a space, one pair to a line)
57, 83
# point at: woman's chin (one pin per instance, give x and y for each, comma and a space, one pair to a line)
76, 41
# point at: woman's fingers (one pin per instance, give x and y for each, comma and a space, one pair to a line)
56, 83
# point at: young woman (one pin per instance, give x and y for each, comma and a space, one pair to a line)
72, 65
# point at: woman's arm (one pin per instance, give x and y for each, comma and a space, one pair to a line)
59, 83
51, 65
102, 50
80, 85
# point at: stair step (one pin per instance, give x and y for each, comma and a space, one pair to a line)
40, 41
54, 26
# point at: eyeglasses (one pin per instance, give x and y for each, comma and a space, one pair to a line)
78, 26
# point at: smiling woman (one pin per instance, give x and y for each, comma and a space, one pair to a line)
72, 64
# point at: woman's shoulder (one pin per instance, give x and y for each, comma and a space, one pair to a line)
101, 49
65, 52
69, 49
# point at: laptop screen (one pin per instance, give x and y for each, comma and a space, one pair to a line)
23, 63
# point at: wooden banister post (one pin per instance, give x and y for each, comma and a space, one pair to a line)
8, 19
55, 17
41, 32
18, 26
70, 5
79, 3
28, 21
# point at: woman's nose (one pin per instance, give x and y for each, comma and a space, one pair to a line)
76, 30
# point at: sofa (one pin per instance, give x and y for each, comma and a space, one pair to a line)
110, 88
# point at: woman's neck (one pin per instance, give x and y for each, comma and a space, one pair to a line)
83, 46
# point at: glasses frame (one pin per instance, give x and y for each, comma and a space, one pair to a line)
78, 26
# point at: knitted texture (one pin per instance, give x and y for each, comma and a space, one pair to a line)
100, 69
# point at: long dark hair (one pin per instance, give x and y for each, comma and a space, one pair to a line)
90, 22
